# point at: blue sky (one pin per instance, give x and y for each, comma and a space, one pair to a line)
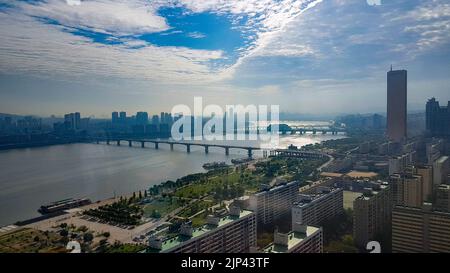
308, 56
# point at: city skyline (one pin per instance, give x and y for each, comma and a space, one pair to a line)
325, 57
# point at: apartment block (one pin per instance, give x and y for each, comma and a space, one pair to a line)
407, 189
313, 209
273, 203
302, 239
233, 233
420, 230
442, 198
371, 213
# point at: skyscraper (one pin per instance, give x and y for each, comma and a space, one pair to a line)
142, 118
396, 104
437, 118
115, 117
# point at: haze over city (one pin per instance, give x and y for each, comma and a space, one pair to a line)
310, 56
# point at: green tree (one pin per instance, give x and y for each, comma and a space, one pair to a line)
88, 237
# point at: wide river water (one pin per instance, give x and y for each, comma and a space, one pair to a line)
35, 176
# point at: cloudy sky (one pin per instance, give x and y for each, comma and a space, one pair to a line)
308, 56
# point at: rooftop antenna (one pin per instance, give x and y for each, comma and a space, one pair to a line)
391, 67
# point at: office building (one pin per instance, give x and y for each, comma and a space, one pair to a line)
313, 209
371, 214
442, 198
273, 203
155, 120
233, 233
302, 239
123, 117
114, 118
396, 105
437, 118
72, 121
141, 118
420, 230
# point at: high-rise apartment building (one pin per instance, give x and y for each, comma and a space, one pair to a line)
313, 209
274, 203
426, 172
420, 230
371, 213
234, 233
437, 118
407, 189
302, 239
442, 198
396, 105
441, 169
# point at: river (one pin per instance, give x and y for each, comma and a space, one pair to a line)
35, 176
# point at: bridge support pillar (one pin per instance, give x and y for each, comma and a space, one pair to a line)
118, 142
156, 145
206, 149
188, 148
142, 144
171, 146
227, 151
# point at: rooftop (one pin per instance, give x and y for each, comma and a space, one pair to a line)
355, 174
277, 187
170, 243
310, 198
294, 237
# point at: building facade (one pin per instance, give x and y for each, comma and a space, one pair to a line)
420, 230
313, 209
371, 214
437, 118
396, 105
234, 233
274, 203
302, 239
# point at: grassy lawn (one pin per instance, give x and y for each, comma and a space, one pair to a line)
162, 205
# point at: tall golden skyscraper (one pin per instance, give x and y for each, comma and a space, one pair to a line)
396, 104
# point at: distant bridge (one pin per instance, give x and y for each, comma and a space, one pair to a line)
303, 129
298, 153
188, 145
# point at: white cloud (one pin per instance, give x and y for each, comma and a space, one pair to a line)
119, 17
196, 35
33, 48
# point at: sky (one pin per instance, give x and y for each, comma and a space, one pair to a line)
307, 56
